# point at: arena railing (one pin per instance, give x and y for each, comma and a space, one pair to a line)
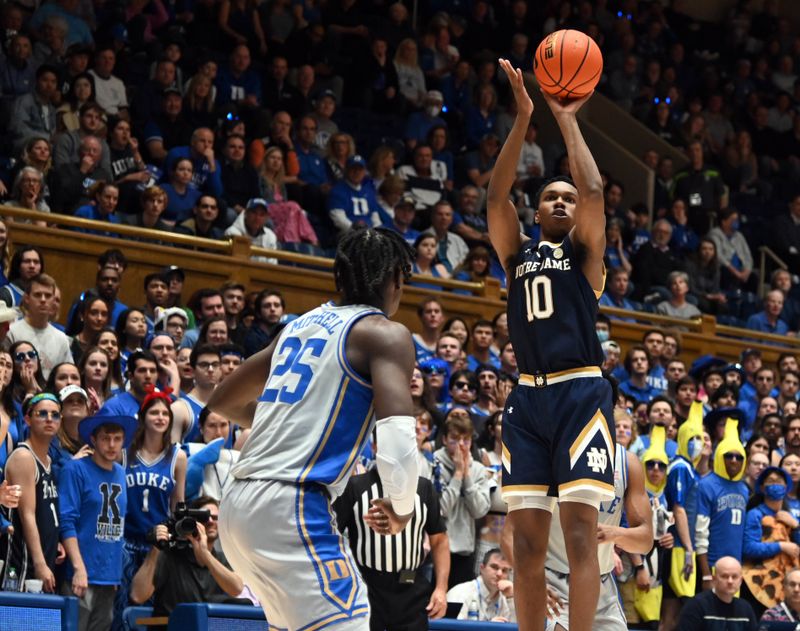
306, 281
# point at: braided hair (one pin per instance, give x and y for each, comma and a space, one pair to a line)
365, 259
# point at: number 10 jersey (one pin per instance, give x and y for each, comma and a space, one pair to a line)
315, 414
552, 309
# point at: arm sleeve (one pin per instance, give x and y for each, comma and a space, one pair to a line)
69, 502
397, 461
701, 534
753, 547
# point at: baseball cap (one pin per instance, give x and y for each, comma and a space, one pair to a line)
171, 90
173, 270
324, 93
257, 202
356, 161
406, 200
68, 391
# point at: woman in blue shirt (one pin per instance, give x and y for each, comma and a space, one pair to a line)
181, 193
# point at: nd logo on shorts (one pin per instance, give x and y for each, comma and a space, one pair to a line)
591, 454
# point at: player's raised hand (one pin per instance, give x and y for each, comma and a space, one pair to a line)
382, 518
521, 96
565, 106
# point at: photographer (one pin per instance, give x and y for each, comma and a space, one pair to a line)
186, 569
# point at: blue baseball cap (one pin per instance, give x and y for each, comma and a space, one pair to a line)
257, 202
356, 161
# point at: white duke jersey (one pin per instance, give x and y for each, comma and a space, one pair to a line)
610, 514
315, 414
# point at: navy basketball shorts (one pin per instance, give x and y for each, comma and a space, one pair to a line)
559, 438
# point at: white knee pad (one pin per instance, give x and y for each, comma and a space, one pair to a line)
584, 496
541, 502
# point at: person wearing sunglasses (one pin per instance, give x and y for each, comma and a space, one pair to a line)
29, 467
721, 505
463, 389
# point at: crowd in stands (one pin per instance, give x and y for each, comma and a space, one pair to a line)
293, 122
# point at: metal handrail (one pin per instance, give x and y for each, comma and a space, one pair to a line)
766, 252
694, 324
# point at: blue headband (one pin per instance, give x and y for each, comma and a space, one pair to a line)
42, 396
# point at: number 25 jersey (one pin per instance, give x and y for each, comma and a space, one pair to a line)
315, 414
552, 309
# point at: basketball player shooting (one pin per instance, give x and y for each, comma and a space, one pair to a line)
558, 422
312, 397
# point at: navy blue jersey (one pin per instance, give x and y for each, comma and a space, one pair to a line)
150, 488
552, 309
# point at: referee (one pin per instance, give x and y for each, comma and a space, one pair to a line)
400, 596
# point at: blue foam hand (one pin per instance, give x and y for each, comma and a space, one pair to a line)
197, 464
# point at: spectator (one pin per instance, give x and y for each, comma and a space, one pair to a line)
785, 235
653, 263
36, 329
90, 123
33, 542
637, 364
659, 413
721, 505
28, 193
616, 292
399, 593
168, 128
419, 124
268, 322
93, 315
404, 214
110, 90
678, 306
464, 496
142, 373
81, 91
339, 149
788, 610
252, 223
352, 202
238, 84
431, 316
768, 537
324, 107
154, 201
734, 254
78, 31
701, 186
426, 262
280, 130
680, 493
489, 593
452, 250
155, 473
104, 198
239, 179
410, 77
704, 279
18, 74
768, 320
34, 113
615, 247
480, 163
206, 213
182, 195
423, 183
126, 163
186, 574
206, 176
205, 362
70, 184
93, 506
199, 101
205, 304
708, 609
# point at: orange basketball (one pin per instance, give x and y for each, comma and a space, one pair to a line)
568, 64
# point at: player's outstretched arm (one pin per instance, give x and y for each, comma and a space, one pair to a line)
637, 538
502, 214
236, 398
590, 224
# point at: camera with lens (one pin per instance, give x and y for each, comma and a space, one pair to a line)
183, 523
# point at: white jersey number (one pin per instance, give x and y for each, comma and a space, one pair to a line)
539, 298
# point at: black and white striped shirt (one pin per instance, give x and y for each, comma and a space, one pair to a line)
386, 553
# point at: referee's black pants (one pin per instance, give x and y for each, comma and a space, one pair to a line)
396, 606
